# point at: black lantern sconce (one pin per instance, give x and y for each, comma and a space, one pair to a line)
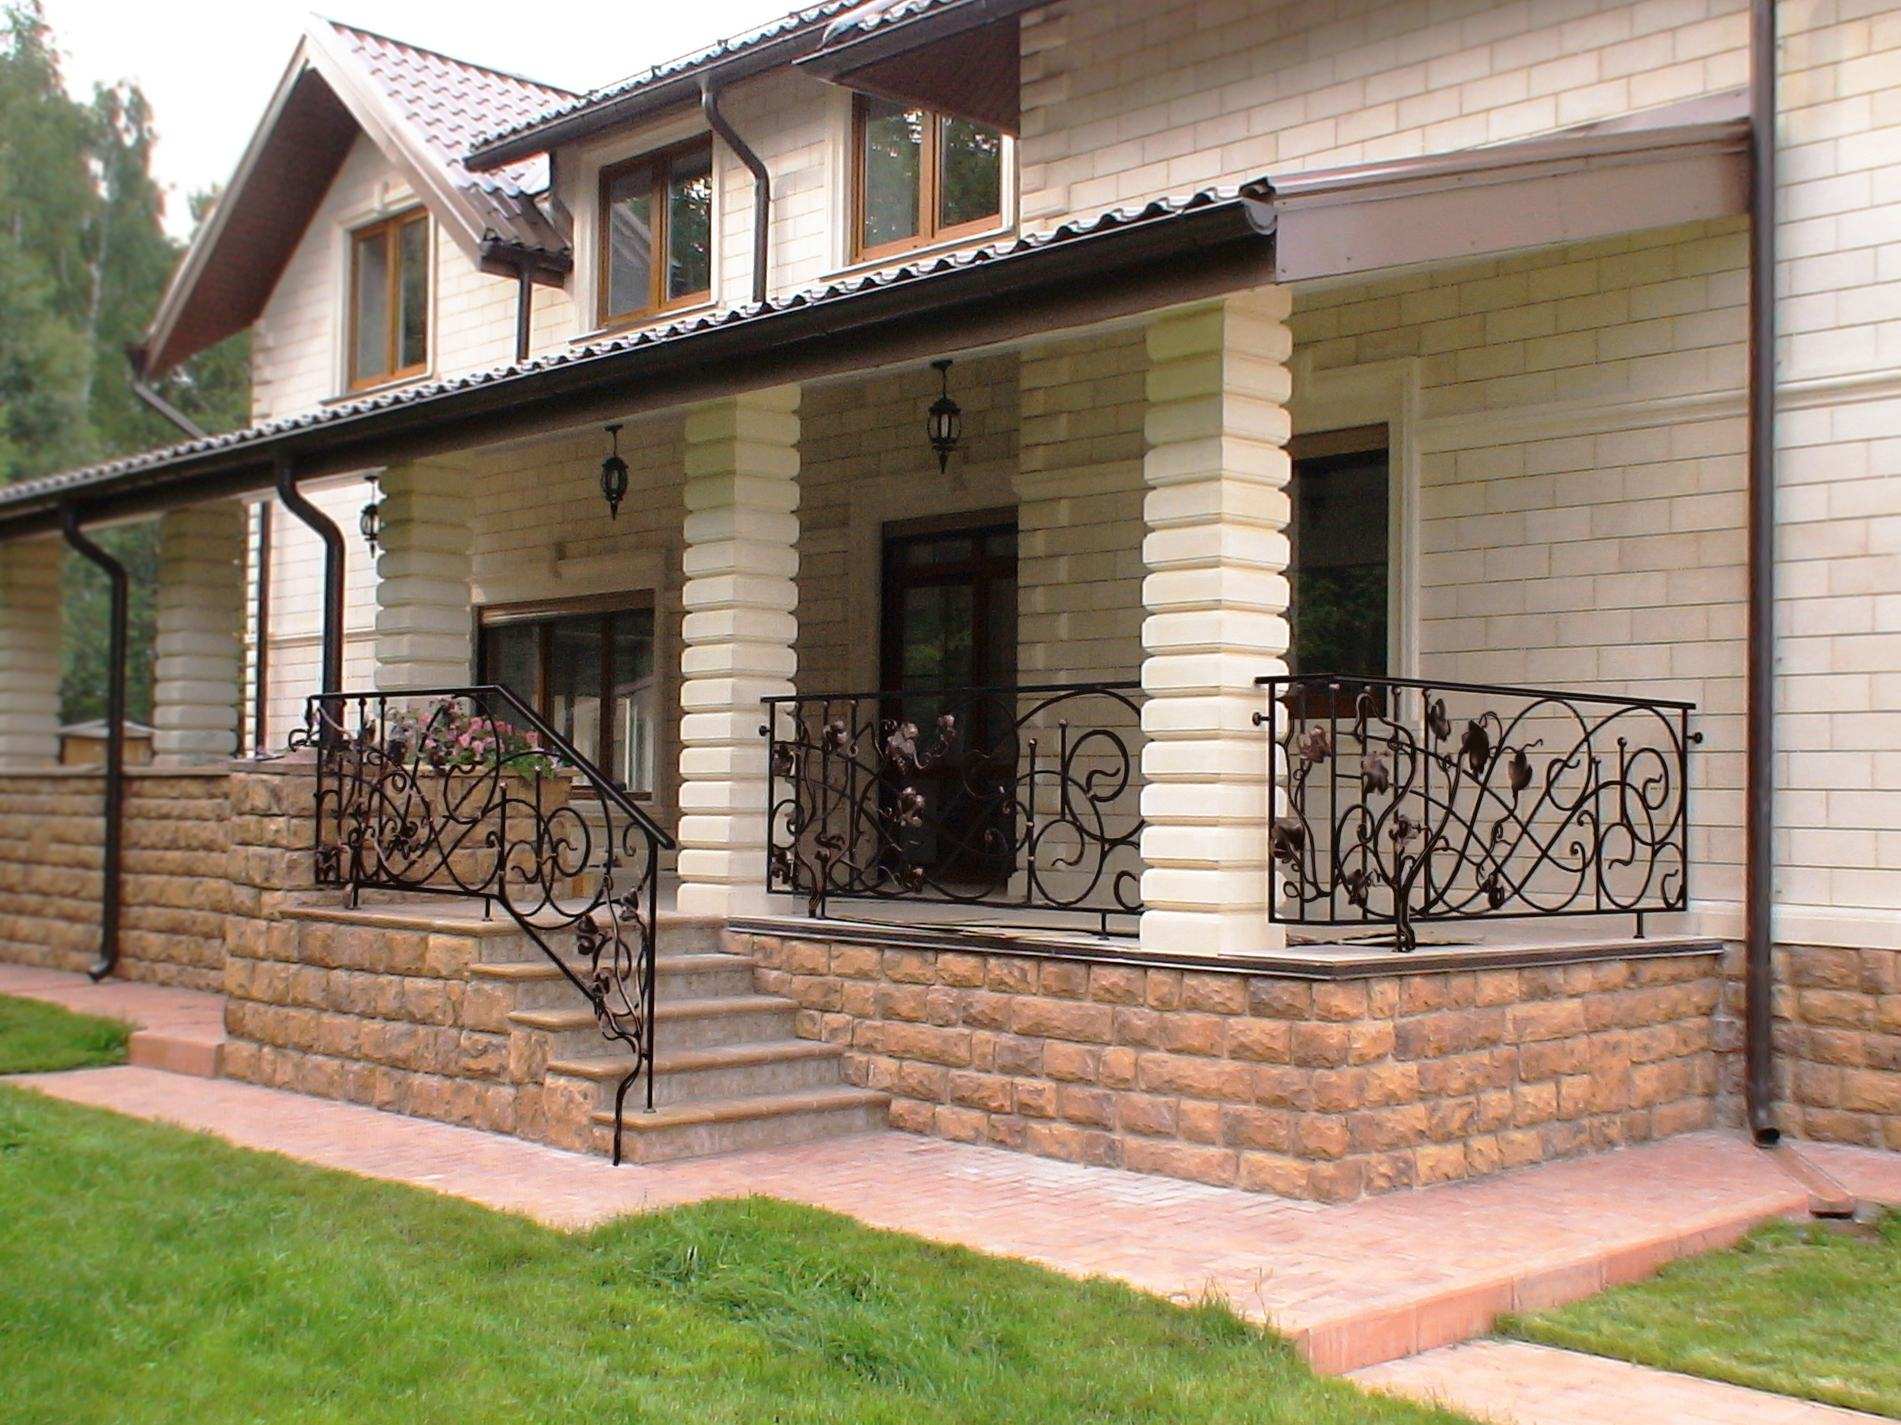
370, 521
614, 476
946, 423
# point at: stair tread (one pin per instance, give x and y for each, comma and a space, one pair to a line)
682, 1061
558, 1019
530, 971
732, 1110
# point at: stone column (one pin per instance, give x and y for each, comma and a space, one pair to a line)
29, 653
422, 590
1216, 594
741, 565
198, 664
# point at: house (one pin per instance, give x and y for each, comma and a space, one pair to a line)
1256, 592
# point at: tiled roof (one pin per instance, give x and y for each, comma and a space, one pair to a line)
450, 104
688, 327
805, 19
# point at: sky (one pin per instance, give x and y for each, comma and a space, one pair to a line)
208, 66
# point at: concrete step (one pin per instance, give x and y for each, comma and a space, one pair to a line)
736, 1125
539, 983
676, 935
707, 1075
683, 1024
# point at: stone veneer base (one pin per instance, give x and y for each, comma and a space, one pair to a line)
1324, 1088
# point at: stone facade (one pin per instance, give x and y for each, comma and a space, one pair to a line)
1321, 1089
1838, 1044
176, 839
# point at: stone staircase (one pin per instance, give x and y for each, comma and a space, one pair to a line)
475, 1025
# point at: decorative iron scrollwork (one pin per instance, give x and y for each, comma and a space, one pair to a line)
1024, 799
468, 792
1541, 803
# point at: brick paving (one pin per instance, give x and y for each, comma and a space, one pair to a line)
1516, 1383
1354, 1284
181, 1031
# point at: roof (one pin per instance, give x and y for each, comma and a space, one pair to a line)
422, 109
777, 42
46, 493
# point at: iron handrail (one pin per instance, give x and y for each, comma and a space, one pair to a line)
1444, 815
422, 804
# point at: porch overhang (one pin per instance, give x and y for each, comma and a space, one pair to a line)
1683, 163
1114, 266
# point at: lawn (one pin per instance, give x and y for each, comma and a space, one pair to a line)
149, 1274
1796, 1308
37, 1037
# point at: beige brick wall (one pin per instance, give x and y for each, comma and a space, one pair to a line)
174, 896
1128, 100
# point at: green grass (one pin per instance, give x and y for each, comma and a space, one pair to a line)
39, 1038
149, 1274
1794, 1308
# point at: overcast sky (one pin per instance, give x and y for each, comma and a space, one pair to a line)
208, 66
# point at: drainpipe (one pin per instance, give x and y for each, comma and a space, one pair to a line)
1759, 882
524, 309
261, 653
761, 186
326, 529
112, 865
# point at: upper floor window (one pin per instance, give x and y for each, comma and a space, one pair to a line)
389, 299
656, 237
921, 177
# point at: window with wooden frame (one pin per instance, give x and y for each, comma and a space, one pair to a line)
920, 177
389, 299
588, 667
656, 232
1339, 569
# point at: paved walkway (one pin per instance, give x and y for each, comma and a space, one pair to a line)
180, 1031
1516, 1383
1353, 1284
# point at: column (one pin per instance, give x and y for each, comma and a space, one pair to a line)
422, 588
29, 653
1216, 596
198, 663
741, 565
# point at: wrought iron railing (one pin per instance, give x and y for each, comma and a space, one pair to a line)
1024, 799
1405, 801
469, 792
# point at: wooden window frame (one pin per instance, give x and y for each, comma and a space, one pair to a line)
391, 230
656, 164
977, 571
1328, 445
541, 613
929, 234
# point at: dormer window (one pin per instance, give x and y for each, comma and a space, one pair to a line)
656, 236
389, 300
921, 177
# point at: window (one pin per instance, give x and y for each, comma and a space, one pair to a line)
1338, 534
589, 670
389, 299
656, 235
921, 177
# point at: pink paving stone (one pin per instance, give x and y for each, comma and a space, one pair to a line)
1515, 1383
181, 1031
1868, 1174
1353, 1284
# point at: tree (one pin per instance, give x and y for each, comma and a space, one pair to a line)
84, 259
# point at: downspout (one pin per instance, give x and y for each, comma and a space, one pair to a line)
1759, 875
524, 309
261, 652
761, 187
112, 865
331, 671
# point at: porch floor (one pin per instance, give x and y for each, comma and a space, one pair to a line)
1354, 1285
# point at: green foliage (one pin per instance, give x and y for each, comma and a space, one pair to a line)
37, 1038
1801, 1309
84, 259
195, 1281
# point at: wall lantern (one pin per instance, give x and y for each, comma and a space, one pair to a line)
370, 521
614, 476
947, 420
